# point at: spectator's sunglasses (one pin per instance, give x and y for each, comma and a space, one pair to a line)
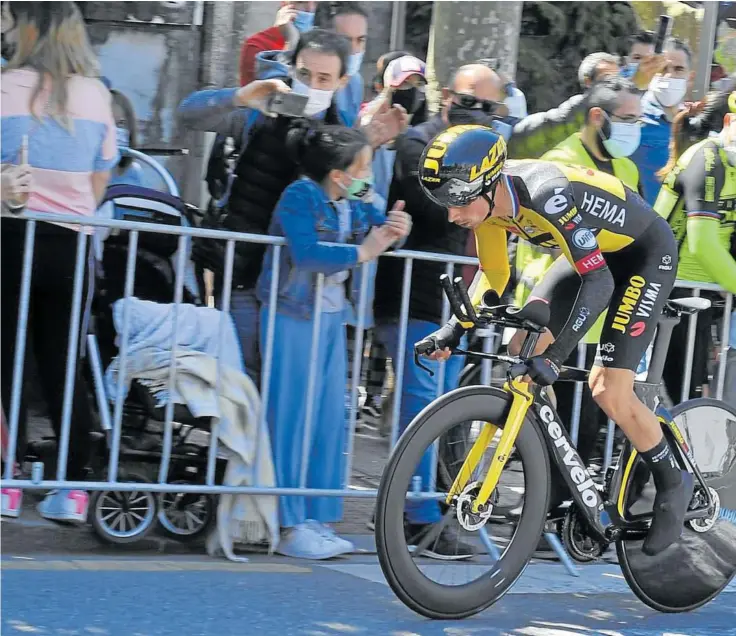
472, 102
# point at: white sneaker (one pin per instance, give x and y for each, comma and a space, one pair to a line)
69, 506
306, 542
326, 531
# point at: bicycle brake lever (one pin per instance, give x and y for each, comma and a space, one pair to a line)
421, 366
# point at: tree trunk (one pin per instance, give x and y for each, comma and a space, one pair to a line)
463, 32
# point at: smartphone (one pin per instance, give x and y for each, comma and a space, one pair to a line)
288, 104
664, 29
23, 150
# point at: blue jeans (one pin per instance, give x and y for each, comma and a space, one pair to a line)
419, 389
244, 309
287, 414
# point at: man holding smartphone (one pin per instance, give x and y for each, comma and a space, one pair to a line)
662, 101
318, 68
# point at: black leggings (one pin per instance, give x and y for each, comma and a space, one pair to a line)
49, 317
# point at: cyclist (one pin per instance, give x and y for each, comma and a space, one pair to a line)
698, 198
585, 213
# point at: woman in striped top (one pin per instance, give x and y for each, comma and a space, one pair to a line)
52, 97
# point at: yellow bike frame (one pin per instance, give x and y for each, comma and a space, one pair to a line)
522, 400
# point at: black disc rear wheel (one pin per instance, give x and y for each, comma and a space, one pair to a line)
695, 569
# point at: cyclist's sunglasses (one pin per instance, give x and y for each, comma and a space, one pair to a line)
472, 102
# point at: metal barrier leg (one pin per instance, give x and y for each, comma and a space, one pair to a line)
725, 337
227, 287
401, 350
112, 472
559, 549
267, 359
102, 404
20, 347
366, 270
163, 472
690, 353
71, 360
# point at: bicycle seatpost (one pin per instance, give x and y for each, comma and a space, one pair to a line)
462, 290
455, 304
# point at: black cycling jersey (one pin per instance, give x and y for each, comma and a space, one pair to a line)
587, 214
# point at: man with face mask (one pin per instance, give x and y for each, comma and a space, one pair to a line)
292, 19
350, 19
660, 104
318, 69
473, 96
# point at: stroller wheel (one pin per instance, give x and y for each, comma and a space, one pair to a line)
120, 517
185, 516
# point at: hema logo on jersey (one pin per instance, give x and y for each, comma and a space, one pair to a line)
570, 459
604, 209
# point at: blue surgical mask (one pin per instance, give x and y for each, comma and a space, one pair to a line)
122, 136
623, 139
355, 61
303, 21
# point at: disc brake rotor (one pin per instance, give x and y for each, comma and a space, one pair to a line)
468, 519
704, 524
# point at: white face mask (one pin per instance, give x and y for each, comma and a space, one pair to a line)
668, 91
623, 140
319, 100
354, 63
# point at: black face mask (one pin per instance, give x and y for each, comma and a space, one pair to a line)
459, 115
410, 98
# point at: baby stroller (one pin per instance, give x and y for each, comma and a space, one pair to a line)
125, 517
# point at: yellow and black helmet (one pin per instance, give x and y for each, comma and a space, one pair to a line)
461, 164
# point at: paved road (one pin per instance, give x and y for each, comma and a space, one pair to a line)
156, 595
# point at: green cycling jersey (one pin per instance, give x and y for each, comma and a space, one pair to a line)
698, 199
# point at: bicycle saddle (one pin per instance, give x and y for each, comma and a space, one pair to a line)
688, 306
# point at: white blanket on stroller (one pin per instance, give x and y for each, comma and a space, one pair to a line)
151, 334
235, 413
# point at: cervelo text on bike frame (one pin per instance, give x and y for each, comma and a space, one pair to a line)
568, 461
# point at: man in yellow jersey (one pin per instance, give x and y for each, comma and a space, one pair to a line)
585, 213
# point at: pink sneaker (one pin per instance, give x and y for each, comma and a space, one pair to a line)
68, 506
12, 499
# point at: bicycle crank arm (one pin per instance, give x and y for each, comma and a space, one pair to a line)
522, 400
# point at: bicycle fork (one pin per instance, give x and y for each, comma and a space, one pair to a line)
521, 401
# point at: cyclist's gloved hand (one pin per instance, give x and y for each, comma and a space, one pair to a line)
543, 369
446, 337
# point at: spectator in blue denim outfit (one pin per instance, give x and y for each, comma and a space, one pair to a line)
328, 204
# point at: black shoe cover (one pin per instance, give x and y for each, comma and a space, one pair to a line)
670, 507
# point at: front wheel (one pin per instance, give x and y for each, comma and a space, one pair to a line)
695, 569
460, 586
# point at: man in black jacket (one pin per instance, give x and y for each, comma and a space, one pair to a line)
475, 94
